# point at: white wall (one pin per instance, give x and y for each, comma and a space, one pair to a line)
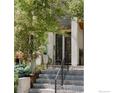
81, 42
74, 42
80, 39
77, 40
51, 43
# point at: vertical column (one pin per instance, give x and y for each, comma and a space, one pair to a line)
51, 45
74, 42
81, 45
63, 47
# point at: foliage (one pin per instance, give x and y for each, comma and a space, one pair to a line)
76, 8
49, 61
37, 17
33, 16
39, 68
15, 82
23, 70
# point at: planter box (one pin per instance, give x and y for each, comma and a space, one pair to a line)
23, 85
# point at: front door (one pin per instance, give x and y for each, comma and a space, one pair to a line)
68, 49
59, 49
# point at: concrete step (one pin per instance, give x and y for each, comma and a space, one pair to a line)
52, 86
67, 77
73, 82
51, 91
71, 72
76, 68
66, 82
70, 67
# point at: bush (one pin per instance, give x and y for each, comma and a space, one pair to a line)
39, 68
23, 70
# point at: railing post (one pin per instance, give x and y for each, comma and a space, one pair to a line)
55, 86
62, 74
67, 67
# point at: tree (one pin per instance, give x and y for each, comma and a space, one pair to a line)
37, 17
76, 8
34, 16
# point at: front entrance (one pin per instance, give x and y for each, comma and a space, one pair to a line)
68, 49
59, 49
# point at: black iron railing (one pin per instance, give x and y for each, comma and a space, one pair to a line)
60, 76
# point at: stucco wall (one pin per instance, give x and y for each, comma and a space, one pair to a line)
81, 45
51, 43
74, 42
80, 39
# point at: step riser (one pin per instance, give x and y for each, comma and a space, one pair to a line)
67, 77
58, 91
68, 73
73, 82
70, 67
66, 82
67, 87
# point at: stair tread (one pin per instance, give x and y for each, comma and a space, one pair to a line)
72, 72
51, 91
73, 82
67, 77
66, 82
50, 74
52, 80
52, 86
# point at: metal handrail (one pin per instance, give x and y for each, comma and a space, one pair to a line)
56, 79
57, 74
61, 70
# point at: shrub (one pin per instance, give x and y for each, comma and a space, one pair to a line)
39, 68
23, 70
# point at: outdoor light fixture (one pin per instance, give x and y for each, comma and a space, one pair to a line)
80, 22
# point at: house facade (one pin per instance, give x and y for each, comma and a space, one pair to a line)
69, 46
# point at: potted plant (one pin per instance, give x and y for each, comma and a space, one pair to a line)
33, 79
38, 69
35, 75
23, 70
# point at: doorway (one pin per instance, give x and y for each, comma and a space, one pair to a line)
59, 49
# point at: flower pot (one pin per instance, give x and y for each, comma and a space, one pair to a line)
37, 74
33, 79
